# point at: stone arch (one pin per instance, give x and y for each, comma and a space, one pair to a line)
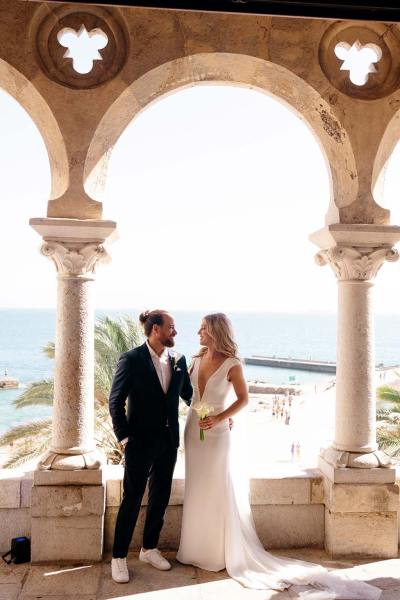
26, 94
215, 68
387, 144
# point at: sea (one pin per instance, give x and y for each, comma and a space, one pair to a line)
24, 332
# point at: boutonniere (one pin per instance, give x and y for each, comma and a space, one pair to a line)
175, 358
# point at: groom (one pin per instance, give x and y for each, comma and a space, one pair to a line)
152, 379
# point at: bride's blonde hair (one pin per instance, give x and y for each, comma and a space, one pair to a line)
220, 330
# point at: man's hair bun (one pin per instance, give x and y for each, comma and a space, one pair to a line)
144, 316
148, 318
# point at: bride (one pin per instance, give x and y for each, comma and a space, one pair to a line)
218, 530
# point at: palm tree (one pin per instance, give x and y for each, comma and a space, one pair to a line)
31, 440
388, 434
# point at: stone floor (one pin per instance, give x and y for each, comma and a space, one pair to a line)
93, 582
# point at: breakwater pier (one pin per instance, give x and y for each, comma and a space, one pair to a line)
319, 366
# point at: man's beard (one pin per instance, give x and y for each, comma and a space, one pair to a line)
168, 342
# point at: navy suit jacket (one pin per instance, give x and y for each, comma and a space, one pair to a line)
149, 409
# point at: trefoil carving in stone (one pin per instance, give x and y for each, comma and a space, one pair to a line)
82, 47
359, 60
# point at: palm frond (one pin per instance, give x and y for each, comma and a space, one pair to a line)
26, 431
388, 438
112, 338
29, 450
39, 393
49, 349
387, 414
388, 393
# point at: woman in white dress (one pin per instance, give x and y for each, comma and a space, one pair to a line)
217, 526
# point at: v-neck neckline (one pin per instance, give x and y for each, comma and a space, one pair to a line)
212, 375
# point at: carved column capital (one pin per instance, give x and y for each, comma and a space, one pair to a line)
356, 263
75, 260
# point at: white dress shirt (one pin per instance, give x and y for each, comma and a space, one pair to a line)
162, 365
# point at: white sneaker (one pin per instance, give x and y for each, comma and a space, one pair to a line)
155, 558
119, 570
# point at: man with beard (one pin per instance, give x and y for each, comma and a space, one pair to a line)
152, 378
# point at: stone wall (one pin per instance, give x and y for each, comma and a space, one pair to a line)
289, 510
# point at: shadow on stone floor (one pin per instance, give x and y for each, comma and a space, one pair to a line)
93, 582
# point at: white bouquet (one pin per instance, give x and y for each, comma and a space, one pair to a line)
203, 410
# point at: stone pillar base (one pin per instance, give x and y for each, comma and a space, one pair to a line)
356, 460
67, 517
71, 462
360, 512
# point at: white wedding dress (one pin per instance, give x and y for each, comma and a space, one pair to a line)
218, 530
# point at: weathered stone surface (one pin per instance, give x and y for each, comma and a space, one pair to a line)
369, 534
56, 580
82, 477
282, 526
67, 538
317, 491
9, 591
146, 580
14, 522
58, 597
290, 526
10, 491
113, 492
26, 490
66, 501
170, 533
280, 491
347, 498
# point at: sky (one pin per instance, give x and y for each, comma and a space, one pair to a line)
214, 189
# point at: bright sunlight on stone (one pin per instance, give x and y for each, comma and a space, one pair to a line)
358, 60
82, 47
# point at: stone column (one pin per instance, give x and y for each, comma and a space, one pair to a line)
68, 494
73, 412
361, 498
355, 426
75, 252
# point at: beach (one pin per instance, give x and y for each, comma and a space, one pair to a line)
268, 439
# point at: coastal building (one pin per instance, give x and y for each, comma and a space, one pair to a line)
137, 55
7, 383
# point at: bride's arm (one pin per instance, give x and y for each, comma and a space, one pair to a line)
236, 377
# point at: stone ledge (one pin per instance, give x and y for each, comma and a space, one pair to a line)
80, 477
349, 475
303, 487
